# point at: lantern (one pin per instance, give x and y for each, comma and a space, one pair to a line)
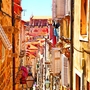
47, 83
29, 80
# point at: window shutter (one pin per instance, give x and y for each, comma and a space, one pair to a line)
57, 54
53, 8
60, 8
67, 7
57, 66
0, 49
64, 71
56, 61
5, 39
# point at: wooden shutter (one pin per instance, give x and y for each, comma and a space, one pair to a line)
53, 8
5, 39
88, 85
0, 49
64, 70
60, 8
55, 65
83, 30
57, 54
67, 7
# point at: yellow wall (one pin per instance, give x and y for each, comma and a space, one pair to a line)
6, 62
6, 66
79, 45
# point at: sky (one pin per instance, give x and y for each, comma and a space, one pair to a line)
36, 8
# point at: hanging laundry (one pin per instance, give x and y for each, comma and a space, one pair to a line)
55, 33
57, 25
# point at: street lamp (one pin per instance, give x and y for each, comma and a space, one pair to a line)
47, 83
29, 80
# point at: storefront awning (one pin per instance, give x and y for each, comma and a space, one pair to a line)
33, 34
5, 39
16, 8
31, 47
17, 1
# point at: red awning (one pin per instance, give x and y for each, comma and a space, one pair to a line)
33, 34
31, 47
17, 1
33, 53
24, 75
45, 30
35, 30
16, 8
42, 41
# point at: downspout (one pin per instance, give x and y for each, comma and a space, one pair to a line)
71, 46
13, 45
45, 64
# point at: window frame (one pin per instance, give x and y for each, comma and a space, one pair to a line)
3, 53
85, 36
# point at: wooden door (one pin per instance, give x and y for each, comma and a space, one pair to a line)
77, 82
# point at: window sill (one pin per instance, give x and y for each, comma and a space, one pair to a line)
83, 38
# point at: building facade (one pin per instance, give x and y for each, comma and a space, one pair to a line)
61, 25
36, 31
75, 20
81, 59
9, 43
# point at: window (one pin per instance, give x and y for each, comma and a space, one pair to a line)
57, 55
88, 85
0, 4
2, 52
64, 70
0, 49
84, 20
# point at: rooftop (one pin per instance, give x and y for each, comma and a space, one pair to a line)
42, 17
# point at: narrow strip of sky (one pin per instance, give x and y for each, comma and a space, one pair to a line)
36, 8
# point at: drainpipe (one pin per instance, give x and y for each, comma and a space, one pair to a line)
71, 46
13, 45
45, 61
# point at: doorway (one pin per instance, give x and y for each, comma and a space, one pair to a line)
88, 85
78, 82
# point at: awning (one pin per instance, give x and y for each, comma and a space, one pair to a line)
31, 47
33, 53
24, 75
35, 30
31, 50
16, 8
45, 30
17, 1
33, 34
30, 55
5, 39
34, 43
